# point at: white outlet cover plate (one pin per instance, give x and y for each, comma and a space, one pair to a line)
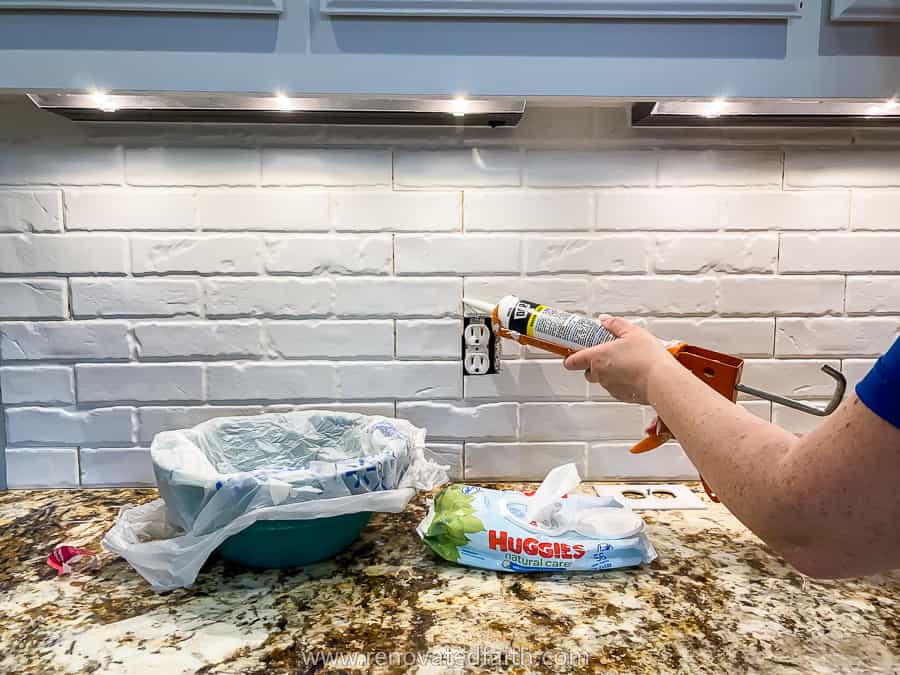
682, 496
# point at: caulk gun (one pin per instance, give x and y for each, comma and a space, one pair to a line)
565, 333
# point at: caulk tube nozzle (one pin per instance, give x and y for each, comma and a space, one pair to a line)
480, 305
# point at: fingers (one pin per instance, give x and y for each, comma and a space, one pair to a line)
616, 325
579, 360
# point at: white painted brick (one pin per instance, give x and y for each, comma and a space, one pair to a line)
654, 295
543, 210
144, 383
270, 209
521, 461
219, 254
873, 295
753, 295
457, 254
461, 421
799, 378
152, 420
449, 455
330, 339
579, 421
855, 370
305, 166
875, 210
128, 209
621, 168
189, 340
608, 461
523, 380
33, 299
382, 408
114, 467
846, 168
605, 253
60, 165
30, 211
38, 385
429, 339
41, 467
63, 254
400, 379
272, 381
742, 337
835, 336
857, 252
388, 211
683, 168
475, 167
720, 252
135, 297
721, 210
570, 294
795, 421
276, 298
22, 341
434, 297
191, 166
762, 409
353, 254
112, 426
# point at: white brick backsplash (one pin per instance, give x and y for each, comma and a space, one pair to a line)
270, 209
742, 337
754, 295
835, 336
621, 168
197, 340
144, 383
388, 211
400, 379
475, 167
457, 254
873, 295
330, 339
90, 340
58, 254
30, 211
449, 455
523, 380
580, 421
538, 210
855, 370
191, 166
385, 409
858, 252
605, 253
108, 426
127, 210
302, 166
614, 461
795, 421
875, 210
60, 165
861, 168
792, 378
152, 420
41, 467
461, 421
210, 254
688, 253
429, 339
570, 294
521, 461
271, 381
33, 299
37, 385
436, 297
114, 467
654, 295
288, 298
683, 168
352, 254
135, 297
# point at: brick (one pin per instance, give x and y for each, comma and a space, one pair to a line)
116, 467
449, 455
107, 426
687, 253
524, 380
354, 254
762, 409
30, 211
41, 467
858, 252
795, 421
579, 421
875, 210
873, 295
263, 382
608, 461
191, 166
382, 408
330, 339
140, 383
516, 210
304, 166
222, 254
24, 341
272, 210
389, 211
135, 297
835, 336
683, 168
200, 340
457, 254
429, 339
63, 254
400, 380
606, 253
37, 385
799, 378
375, 297
520, 461
60, 165
475, 167
610, 168
654, 295
33, 299
572, 295
276, 298
128, 210
856, 168
753, 295
152, 420
855, 370
462, 421
742, 337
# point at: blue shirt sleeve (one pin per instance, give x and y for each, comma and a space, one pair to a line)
880, 388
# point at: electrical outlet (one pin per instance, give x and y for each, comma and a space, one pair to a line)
477, 335
477, 363
480, 347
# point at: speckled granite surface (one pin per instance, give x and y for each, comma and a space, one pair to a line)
715, 601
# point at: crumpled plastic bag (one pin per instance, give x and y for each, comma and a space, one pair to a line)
225, 474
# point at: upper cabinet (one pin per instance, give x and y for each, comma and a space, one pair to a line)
865, 10
202, 6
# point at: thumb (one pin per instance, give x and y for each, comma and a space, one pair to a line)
616, 325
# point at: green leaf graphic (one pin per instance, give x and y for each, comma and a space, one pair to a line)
454, 517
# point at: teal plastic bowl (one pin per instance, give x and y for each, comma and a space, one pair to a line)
269, 544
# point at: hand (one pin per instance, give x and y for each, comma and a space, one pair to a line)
623, 366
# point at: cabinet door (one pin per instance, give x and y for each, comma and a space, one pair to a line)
204, 6
865, 10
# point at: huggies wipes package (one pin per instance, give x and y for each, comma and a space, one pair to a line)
547, 531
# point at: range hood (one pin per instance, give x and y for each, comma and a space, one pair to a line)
779, 113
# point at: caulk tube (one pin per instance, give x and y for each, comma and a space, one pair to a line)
556, 326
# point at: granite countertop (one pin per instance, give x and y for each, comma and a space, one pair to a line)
715, 600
